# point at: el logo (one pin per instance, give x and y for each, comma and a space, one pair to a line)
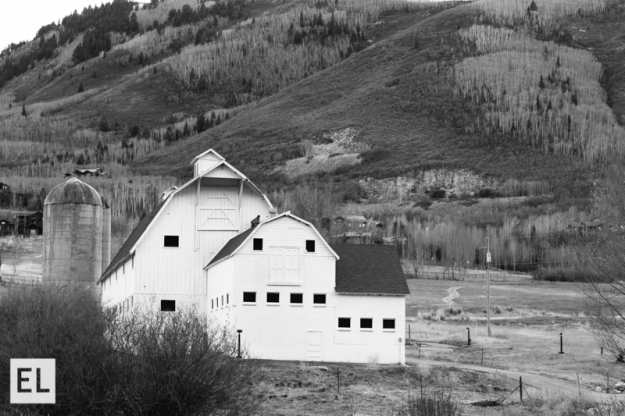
33, 380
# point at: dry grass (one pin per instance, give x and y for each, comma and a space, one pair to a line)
526, 320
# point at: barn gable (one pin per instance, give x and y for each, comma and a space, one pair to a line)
237, 242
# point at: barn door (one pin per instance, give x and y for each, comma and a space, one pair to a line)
219, 211
283, 264
314, 346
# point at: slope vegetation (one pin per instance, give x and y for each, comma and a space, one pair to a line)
399, 95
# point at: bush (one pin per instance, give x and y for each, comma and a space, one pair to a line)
487, 193
108, 363
560, 275
438, 404
437, 193
374, 155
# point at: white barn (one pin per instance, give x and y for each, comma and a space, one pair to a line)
161, 263
294, 297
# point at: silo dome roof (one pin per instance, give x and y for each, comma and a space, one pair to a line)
73, 191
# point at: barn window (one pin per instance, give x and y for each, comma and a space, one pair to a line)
227, 298
273, 297
310, 246
171, 241
168, 306
212, 303
344, 322
258, 244
319, 299
366, 323
388, 324
249, 297
222, 300
297, 298
217, 302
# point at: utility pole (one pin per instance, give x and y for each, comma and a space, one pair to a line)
488, 285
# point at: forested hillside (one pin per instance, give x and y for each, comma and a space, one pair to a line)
525, 97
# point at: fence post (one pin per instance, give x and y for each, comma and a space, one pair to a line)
579, 390
521, 387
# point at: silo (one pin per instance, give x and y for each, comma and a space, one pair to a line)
72, 235
106, 234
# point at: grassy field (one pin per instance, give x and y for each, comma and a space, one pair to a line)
526, 320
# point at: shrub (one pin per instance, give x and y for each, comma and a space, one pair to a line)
108, 363
560, 275
437, 404
374, 155
487, 193
437, 193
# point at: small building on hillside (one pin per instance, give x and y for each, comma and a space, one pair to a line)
297, 298
355, 222
161, 263
89, 172
4, 187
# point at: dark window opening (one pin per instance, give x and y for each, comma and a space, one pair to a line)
168, 306
273, 297
310, 246
388, 324
212, 303
258, 244
249, 296
227, 298
366, 323
319, 299
344, 322
171, 241
297, 298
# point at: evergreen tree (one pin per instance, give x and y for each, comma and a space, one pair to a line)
81, 88
541, 83
24, 110
200, 124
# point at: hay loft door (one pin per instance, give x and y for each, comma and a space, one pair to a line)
219, 210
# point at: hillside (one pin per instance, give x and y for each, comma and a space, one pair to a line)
423, 112
400, 100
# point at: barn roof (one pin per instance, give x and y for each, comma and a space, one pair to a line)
233, 245
369, 269
136, 234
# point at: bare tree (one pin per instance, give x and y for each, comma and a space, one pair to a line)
602, 263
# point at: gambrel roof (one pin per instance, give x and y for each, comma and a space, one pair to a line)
235, 243
370, 270
137, 235
125, 251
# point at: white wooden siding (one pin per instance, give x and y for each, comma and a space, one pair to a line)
178, 271
205, 163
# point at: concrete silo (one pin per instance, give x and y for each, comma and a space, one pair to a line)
106, 234
73, 224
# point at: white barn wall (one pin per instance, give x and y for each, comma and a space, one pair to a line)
178, 271
220, 284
